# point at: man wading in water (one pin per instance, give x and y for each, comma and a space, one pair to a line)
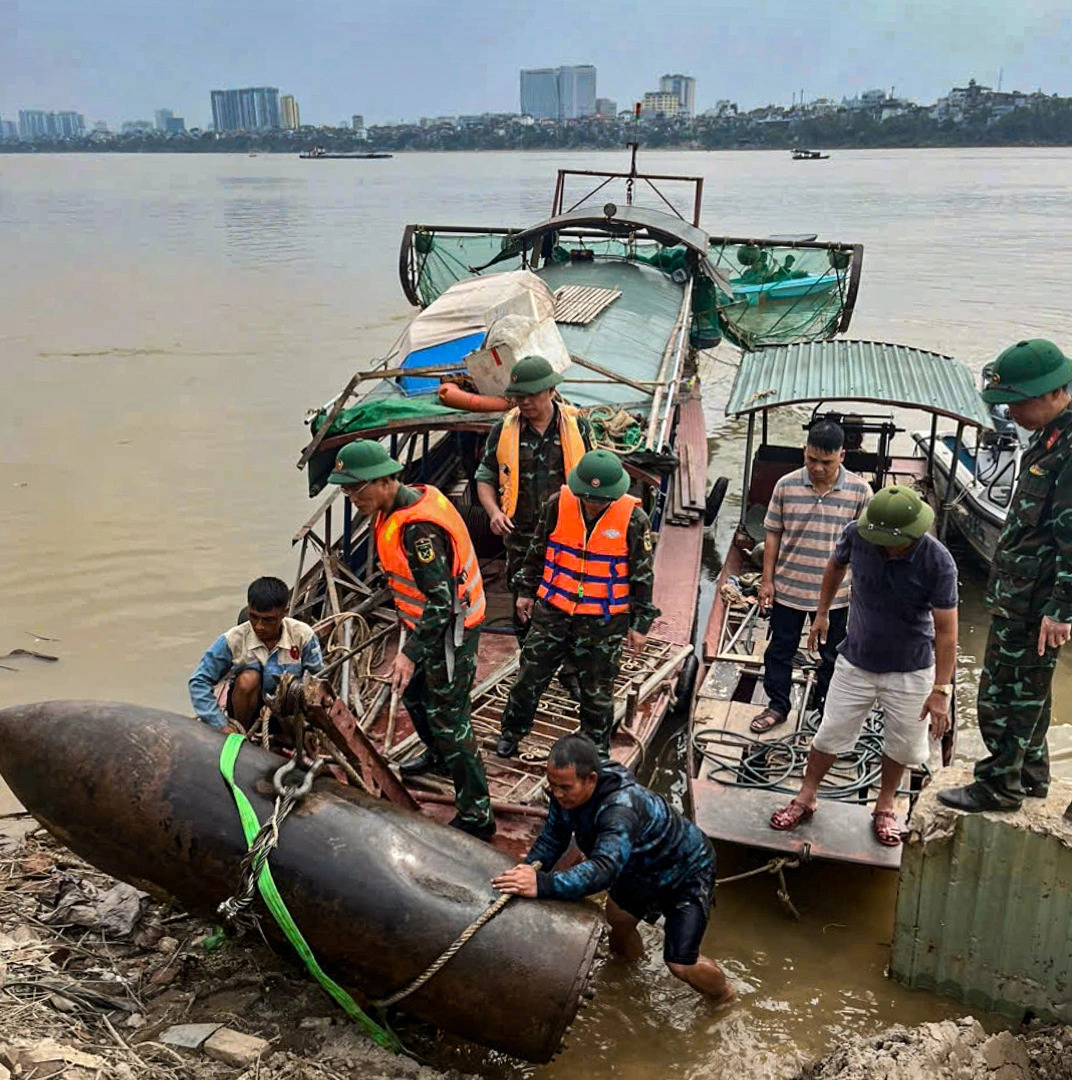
650, 860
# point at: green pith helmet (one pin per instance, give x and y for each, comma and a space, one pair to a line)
363, 460
598, 476
530, 376
1027, 370
895, 517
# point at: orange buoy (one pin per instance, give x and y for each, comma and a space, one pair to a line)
452, 395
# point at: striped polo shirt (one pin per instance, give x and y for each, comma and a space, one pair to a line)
811, 525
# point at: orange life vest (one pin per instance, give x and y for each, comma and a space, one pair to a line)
588, 574
509, 451
435, 507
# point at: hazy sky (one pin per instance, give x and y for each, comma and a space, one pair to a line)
401, 59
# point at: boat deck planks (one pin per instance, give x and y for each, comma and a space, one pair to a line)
578, 305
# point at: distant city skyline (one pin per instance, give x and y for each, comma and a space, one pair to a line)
120, 62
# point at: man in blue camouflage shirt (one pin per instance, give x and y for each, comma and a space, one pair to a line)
650, 860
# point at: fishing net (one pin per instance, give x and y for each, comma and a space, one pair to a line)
779, 293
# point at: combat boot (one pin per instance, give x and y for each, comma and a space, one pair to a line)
431, 761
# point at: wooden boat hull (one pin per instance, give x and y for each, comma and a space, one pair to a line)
378, 892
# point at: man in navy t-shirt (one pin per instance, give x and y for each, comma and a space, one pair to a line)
899, 652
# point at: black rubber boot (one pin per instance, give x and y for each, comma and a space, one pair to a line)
429, 761
481, 832
506, 747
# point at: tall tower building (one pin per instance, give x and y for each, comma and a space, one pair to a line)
683, 87
562, 93
289, 117
255, 108
35, 123
576, 91
539, 93
162, 118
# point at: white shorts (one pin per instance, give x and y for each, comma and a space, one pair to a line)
899, 694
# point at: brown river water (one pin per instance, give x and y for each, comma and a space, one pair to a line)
165, 321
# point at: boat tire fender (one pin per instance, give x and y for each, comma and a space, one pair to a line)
715, 498
686, 683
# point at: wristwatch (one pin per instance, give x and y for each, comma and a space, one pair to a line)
943, 688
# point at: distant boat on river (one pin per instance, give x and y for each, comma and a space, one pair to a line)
319, 152
800, 154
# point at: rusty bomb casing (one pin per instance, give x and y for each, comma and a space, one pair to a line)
377, 891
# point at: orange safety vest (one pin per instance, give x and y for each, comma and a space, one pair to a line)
435, 507
509, 451
588, 574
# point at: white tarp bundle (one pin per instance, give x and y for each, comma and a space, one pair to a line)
515, 309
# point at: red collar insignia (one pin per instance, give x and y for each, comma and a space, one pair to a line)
1054, 436
295, 652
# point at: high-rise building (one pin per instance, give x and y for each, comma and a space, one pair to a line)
175, 125
539, 93
576, 91
162, 117
135, 127
661, 101
684, 88
70, 125
562, 93
255, 108
606, 106
36, 123
8, 130
289, 118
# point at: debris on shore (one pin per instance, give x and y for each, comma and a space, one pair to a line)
950, 1050
99, 979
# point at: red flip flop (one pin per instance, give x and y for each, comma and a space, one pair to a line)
789, 817
884, 825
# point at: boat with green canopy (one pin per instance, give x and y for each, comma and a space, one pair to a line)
737, 777
620, 288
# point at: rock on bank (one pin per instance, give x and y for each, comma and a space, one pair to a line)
950, 1050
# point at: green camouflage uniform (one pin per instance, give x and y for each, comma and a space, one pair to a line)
438, 705
541, 472
1031, 578
593, 643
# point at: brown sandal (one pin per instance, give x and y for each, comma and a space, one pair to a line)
884, 825
789, 817
767, 719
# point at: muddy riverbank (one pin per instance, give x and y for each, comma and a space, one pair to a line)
97, 978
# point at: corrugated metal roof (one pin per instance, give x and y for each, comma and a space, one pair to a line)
857, 371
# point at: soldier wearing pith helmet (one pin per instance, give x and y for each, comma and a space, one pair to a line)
586, 586
527, 457
425, 550
1029, 594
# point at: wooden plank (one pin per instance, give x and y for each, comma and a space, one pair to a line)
579, 305
840, 830
317, 514
615, 376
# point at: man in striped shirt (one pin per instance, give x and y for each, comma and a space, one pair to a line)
808, 509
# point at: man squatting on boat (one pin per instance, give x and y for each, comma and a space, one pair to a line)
899, 650
243, 665
807, 511
1030, 590
649, 859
